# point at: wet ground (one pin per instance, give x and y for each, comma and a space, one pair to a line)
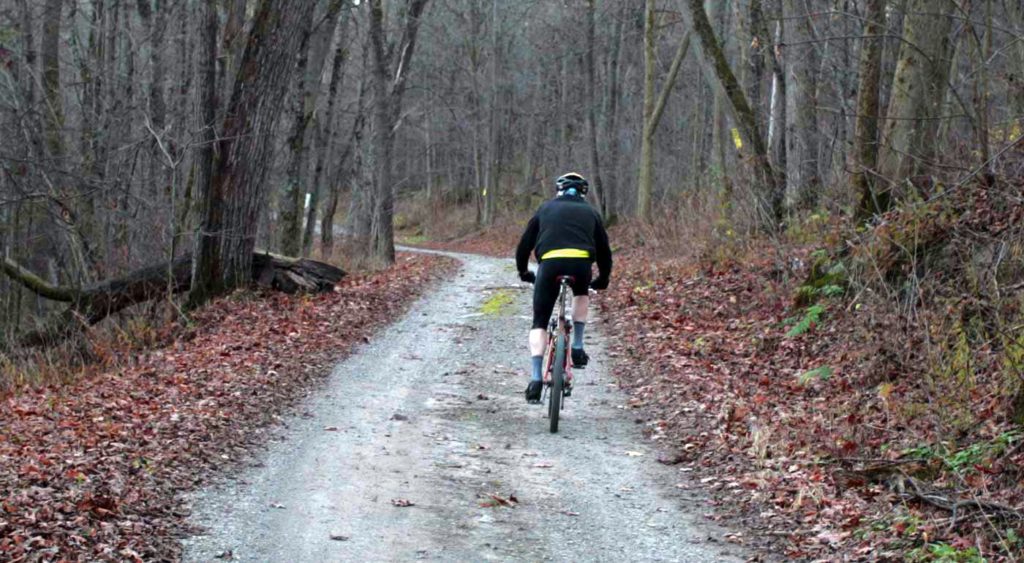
421, 447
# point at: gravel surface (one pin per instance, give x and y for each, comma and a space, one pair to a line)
431, 413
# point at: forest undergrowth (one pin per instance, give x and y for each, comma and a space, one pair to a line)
858, 399
95, 468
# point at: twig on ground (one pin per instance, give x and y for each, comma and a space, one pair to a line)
913, 489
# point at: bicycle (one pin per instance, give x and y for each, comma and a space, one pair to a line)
558, 365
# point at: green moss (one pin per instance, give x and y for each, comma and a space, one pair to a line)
413, 239
498, 304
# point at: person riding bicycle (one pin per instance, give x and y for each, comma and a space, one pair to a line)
567, 236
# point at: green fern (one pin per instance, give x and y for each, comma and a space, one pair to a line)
831, 291
823, 373
812, 316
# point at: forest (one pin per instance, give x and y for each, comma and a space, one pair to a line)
815, 206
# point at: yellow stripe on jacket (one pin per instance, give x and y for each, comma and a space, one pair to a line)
565, 253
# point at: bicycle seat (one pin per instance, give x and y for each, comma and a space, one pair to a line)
566, 279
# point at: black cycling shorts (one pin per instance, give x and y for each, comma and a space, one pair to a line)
545, 289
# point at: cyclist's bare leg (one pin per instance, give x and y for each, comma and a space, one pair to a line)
538, 341
580, 308
539, 336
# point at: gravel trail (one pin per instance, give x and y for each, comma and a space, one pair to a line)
431, 411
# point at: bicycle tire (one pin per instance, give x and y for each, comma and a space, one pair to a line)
557, 383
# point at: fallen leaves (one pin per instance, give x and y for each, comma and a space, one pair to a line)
95, 469
705, 359
492, 500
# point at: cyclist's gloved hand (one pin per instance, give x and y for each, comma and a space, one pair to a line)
528, 276
600, 282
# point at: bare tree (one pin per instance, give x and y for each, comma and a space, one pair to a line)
918, 90
743, 112
865, 151
654, 109
234, 196
325, 131
390, 73
290, 204
54, 110
591, 63
801, 63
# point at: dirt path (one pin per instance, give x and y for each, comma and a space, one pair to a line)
432, 412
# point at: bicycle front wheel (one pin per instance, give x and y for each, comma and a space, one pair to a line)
557, 383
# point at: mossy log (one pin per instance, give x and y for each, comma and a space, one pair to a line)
93, 303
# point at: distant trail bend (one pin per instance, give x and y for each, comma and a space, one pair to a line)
431, 413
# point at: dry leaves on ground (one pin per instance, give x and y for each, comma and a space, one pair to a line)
95, 470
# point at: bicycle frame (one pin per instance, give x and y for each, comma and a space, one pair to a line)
558, 323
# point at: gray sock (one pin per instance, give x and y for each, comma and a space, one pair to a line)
577, 335
537, 363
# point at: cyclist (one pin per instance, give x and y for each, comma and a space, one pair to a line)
567, 236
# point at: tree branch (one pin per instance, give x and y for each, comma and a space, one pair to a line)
37, 285
670, 81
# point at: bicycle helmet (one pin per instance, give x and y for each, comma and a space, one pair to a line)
572, 181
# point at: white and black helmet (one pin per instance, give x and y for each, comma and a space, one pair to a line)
572, 181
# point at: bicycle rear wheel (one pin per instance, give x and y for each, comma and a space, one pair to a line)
557, 382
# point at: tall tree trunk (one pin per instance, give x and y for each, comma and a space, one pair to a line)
297, 194
387, 105
52, 95
719, 14
1015, 72
654, 109
982, 40
232, 45
801, 65
348, 164
360, 210
767, 183
565, 115
612, 134
918, 90
760, 43
209, 99
154, 15
777, 131
644, 183
292, 198
28, 30
865, 149
325, 134
233, 198
493, 137
591, 63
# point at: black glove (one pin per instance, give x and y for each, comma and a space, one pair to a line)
528, 276
599, 283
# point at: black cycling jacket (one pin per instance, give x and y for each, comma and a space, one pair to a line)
566, 222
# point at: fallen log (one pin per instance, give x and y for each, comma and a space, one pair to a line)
93, 303
294, 275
